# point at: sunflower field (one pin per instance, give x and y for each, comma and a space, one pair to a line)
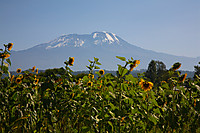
56, 101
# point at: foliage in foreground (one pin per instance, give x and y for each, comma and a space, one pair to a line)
55, 101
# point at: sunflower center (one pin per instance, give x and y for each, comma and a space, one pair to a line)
146, 85
89, 84
18, 80
101, 72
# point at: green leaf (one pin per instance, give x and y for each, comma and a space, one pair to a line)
165, 85
131, 78
96, 67
85, 129
89, 67
85, 79
124, 86
110, 123
109, 76
110, 88
134, 110
157, 110
153, 119
96, 59
120, 69
112, 106
14, 96
8, 60
4, 69
124, 71
132, 92
121, 58
98, 63
90, 61
106, 116
6, 64
131, 101
9, 75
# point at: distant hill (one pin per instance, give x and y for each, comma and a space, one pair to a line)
135, 73
103, 45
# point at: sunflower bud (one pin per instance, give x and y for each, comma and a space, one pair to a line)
71, 61
10, 45
176, 66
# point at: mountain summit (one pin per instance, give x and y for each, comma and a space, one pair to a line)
103, 45
75, 40
101, 38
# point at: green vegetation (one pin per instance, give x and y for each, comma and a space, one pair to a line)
58, 101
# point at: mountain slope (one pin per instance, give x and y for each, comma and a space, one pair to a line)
103, 45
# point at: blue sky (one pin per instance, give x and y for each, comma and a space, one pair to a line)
169, 26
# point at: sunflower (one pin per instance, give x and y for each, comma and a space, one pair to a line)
10, 45
91, 76
182, 77
89, 83
36, 81
18, 80
101, 72
21, 76
71, 61
4, 55
19, 70
176, 66
146, 86
134, 65
36, 71
33, 69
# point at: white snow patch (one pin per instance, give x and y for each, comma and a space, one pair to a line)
48, 47
104, 40
79, 43
115, 37
59, 45
109, 37
95, 35
96, 42
82, 42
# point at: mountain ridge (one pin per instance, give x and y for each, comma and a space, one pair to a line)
103, 45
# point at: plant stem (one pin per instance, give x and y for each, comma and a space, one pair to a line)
120, 107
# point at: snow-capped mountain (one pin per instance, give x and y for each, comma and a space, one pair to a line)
75, 40
103, 45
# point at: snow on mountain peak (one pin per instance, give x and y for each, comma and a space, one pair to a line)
66, 40
75, 40
95, 35
103, 37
